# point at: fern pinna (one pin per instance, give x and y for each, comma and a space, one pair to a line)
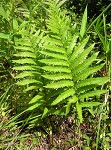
64, 66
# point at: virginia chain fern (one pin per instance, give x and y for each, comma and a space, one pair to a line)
61, 66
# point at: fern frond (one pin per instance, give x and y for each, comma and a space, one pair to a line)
26, 68
60, 84
24, 48
56, 69
25, 61
72, 44
56, 62
54, 55
85, 73
53, 48
28, 81
79, 49
27, 74
92, 93
36, 98
79, 60
86, 63
25, 54
57, 76
64, 95
90, 81
89, 104
53, 40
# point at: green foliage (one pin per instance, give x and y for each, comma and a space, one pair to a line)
58, 65
50, 66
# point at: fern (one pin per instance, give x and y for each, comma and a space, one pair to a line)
76, 58
59, 64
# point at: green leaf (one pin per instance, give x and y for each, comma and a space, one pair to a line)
86, 63
25, 54
56, 62
54, 55
84, 23
92, 93
56, 69
63, 95
90, 104
54, 48
81, 58
3, 13
60, 84
34, 106
4, 36
79, 112
30, 88
26, 68
25, 61
61, 3
45, 112
25, 47
57, 76
36, 98
15, 24
79, 49
72, 44
53, 41
27, 74
67, 108
27, 81
96, 81
71, 101
85, 73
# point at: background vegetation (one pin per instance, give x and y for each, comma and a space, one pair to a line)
55, 74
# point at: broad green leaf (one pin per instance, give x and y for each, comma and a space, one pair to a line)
63, 95
60, 84
56, 69
56, 62
79, 112
84, 23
